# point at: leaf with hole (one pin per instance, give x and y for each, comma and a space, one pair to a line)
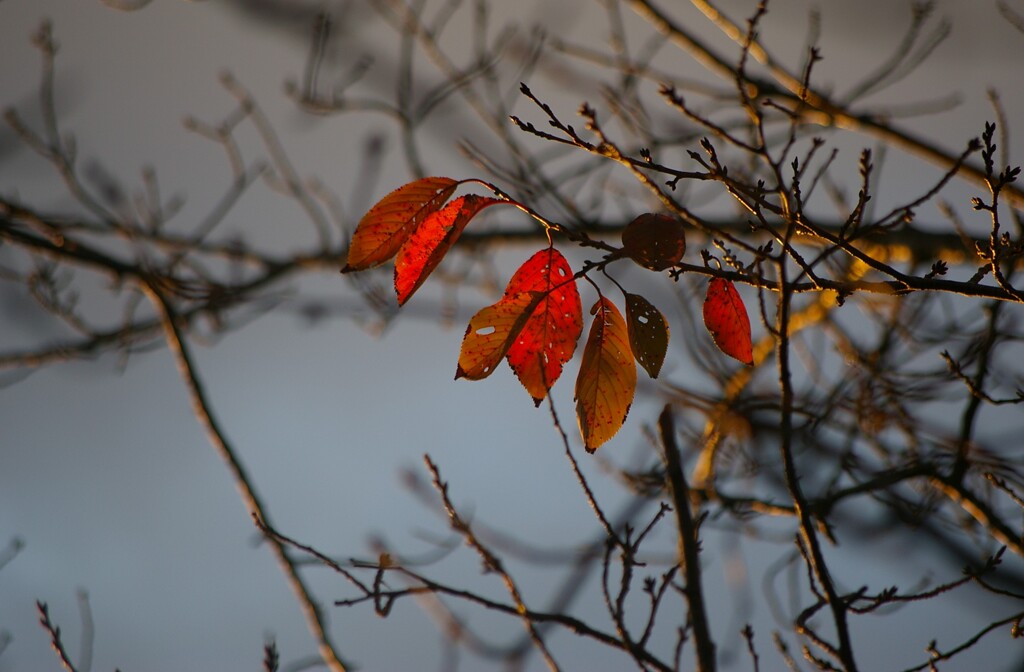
389, 223
656, 242
648, 333
491, 332
607, 378
725, 317
431, 240
548, 339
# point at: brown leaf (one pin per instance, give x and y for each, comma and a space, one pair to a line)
607, 378
654, 241
491, 332
648, 333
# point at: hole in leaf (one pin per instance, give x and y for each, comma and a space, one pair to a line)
484, 331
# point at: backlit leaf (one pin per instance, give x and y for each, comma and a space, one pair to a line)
491, 333
654, 241
431, 240
607, 379
725, 316
389, 223
548, 339
648, 333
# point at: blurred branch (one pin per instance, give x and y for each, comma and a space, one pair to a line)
126, 5
689, 544
11, 551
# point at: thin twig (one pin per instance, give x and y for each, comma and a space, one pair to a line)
55, 640
491, 562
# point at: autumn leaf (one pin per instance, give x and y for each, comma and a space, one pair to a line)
607, 378
536, 324
431, 240
656, 242
548, 339
648, 333
389, 223
725, 317
490, 334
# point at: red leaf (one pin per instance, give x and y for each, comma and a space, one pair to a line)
725, 316
490, 334
654, 241
648, 333
431, 240
389, 223
607, 379
548, 339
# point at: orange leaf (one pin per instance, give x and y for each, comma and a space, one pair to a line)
490, 334
725, 316
389, 223
607, 379
431, 240
548, 339
648, 333
654, 241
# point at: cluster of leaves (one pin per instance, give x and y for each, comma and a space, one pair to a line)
538, 321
